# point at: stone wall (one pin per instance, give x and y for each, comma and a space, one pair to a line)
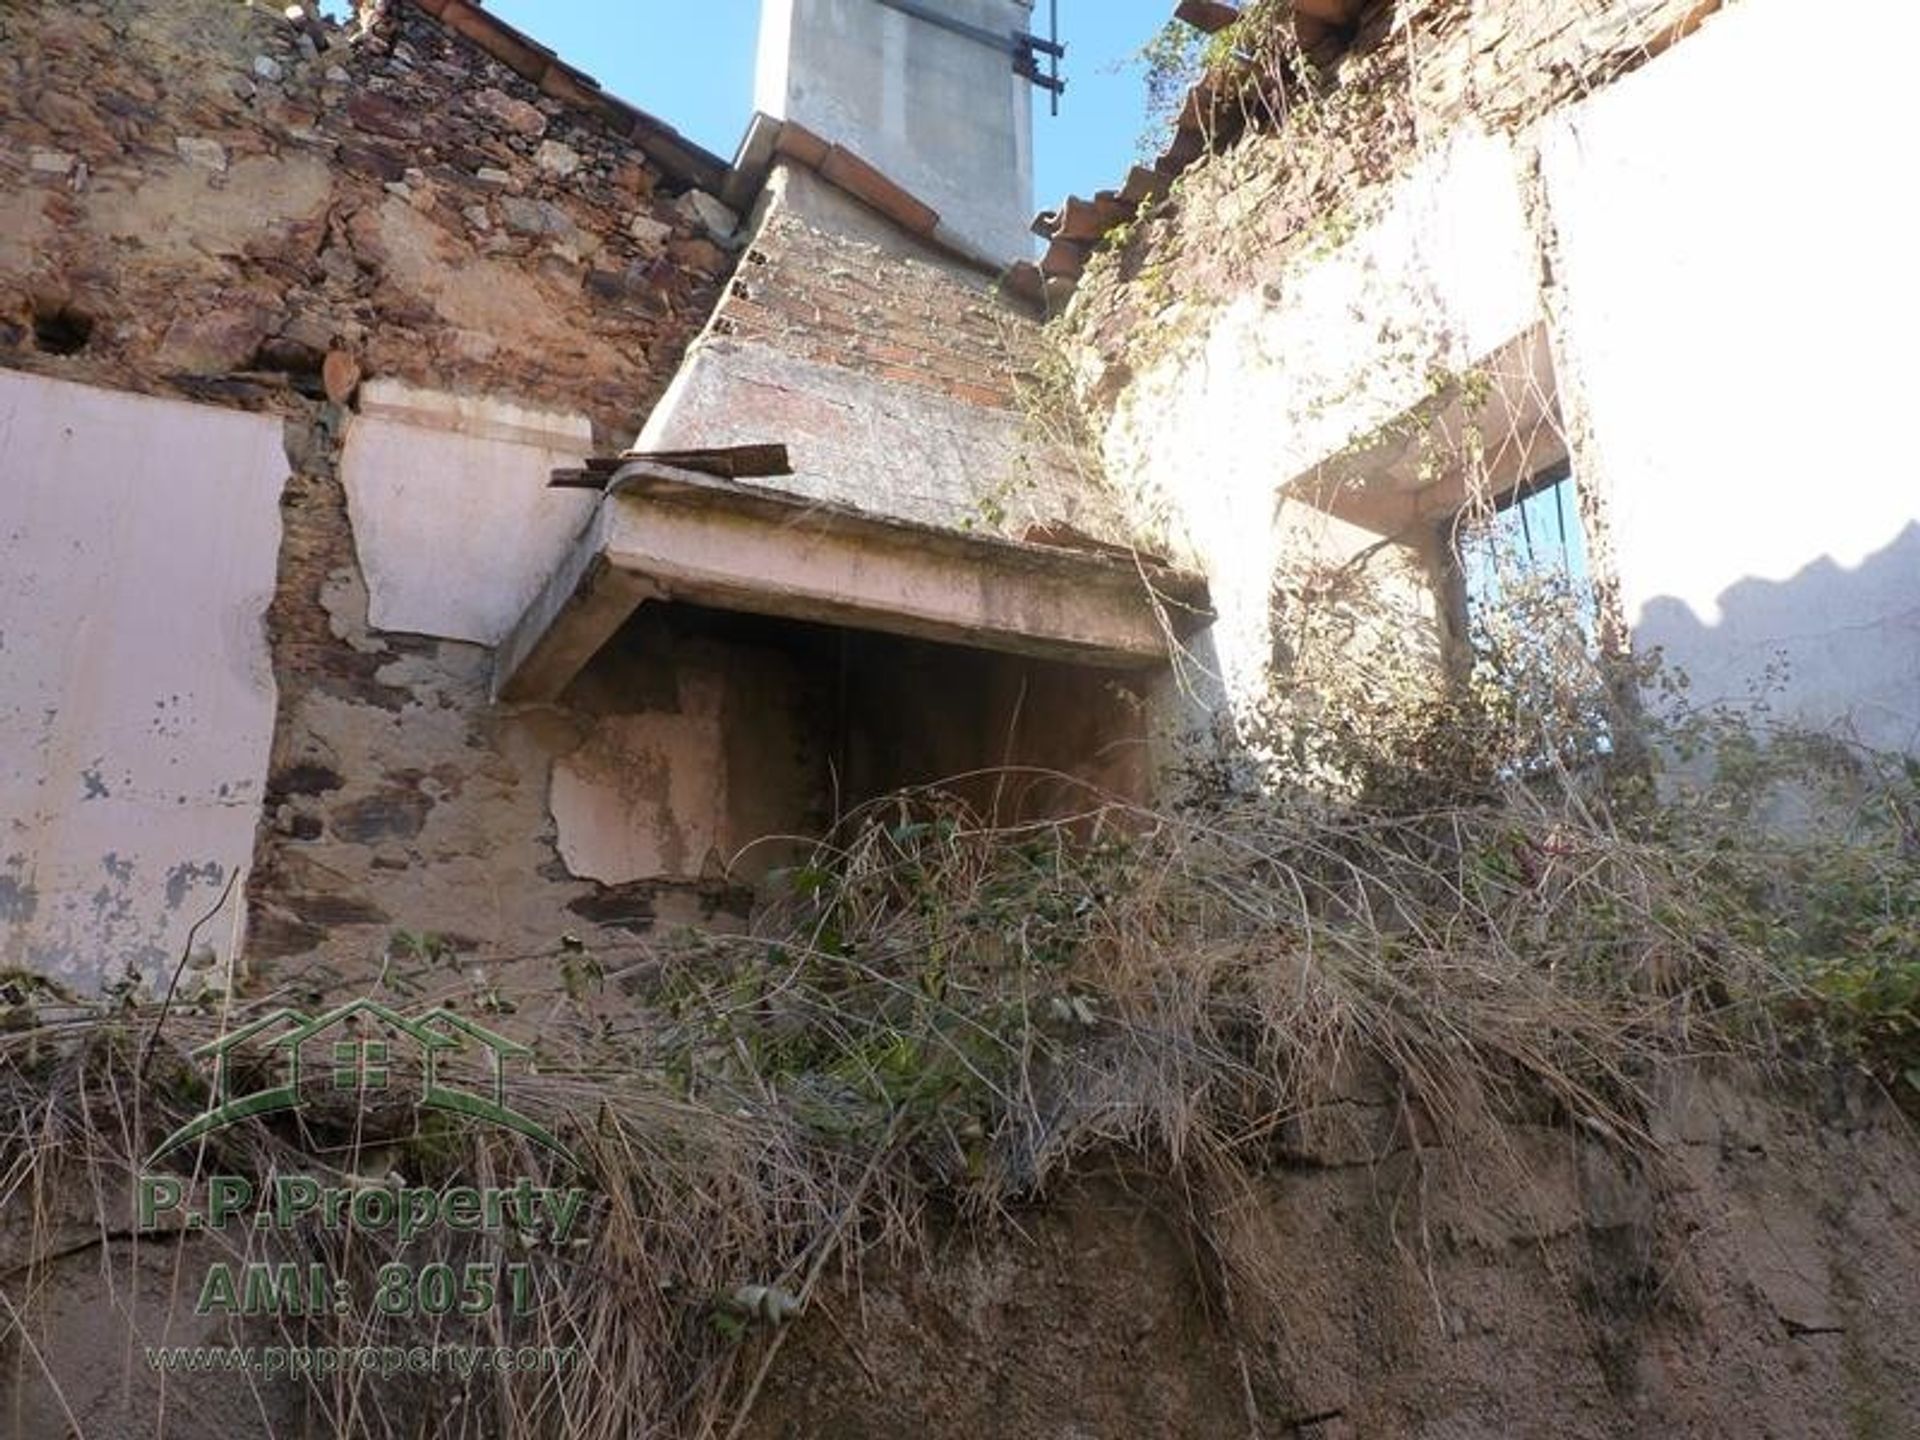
218, 202
211, 202
433, 273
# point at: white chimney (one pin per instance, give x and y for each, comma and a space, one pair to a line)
924, 90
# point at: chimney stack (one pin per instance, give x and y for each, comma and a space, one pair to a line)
924, 90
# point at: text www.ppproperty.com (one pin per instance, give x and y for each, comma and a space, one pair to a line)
361, 1359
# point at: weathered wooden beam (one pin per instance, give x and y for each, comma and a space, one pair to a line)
731, 462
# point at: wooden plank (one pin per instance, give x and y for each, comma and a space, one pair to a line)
730, 462
591, 474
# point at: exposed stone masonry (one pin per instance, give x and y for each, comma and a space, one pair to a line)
213, 201
1414, 73
219, 197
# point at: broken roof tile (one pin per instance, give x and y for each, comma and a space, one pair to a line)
1207, 16
1216, 111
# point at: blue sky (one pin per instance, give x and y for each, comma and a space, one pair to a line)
692, 65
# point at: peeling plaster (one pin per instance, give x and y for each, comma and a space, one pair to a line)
453, 523
140, 542
644, 796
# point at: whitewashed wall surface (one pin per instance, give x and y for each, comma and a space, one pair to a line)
138, 545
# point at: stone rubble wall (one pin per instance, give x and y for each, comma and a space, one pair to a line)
215, 195
209, 202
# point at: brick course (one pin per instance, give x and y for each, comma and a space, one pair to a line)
839, 301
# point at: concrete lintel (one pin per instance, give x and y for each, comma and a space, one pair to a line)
482, 417
1422, 466
573, 615
677, 535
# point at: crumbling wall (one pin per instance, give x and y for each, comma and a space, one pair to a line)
1756, 1279
1749, 1272
215, 203
210, 193
441, 278
1337, 341
888, 367
399, 796
1512, 234
722, 740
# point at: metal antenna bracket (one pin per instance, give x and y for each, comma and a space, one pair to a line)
1024, 49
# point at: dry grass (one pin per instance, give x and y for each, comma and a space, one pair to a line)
947, 1011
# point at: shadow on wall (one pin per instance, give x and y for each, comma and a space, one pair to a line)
721, 742
1849, 637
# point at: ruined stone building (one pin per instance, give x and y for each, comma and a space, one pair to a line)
436, 496
299, 319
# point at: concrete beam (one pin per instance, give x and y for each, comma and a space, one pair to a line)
674, 534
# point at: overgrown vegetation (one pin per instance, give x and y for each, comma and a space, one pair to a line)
1266, 71
941, 1011
1301, 124
1439, 878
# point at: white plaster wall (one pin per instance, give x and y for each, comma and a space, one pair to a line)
940, 114
1340, 340
453, 523
138, 545
1738, 240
